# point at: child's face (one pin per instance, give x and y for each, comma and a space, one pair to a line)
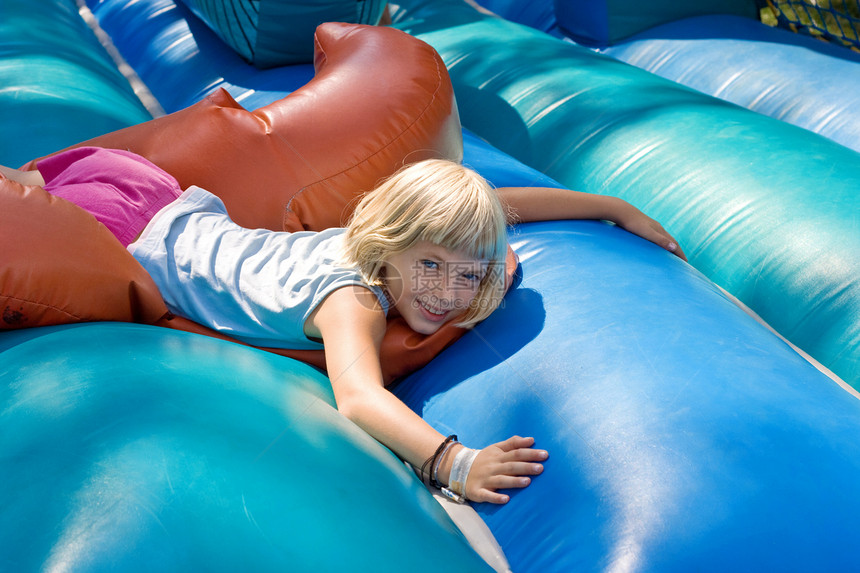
431, 285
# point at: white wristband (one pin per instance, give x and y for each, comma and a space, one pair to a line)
460, 470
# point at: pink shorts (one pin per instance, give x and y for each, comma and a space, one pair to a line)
121, 189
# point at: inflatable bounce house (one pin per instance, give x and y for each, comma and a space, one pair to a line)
700, 416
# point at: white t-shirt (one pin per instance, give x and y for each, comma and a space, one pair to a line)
256, 285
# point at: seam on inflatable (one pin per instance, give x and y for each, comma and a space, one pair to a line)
818, 365
140, 89
398, 137
42, 305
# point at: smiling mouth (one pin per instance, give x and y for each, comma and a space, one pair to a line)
434, 313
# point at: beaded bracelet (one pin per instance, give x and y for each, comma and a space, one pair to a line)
439, 459
432, 464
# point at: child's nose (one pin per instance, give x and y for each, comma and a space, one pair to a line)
443, 297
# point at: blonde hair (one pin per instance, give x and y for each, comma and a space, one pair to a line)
441, 202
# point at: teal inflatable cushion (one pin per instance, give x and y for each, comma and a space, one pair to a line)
58, 85
135, 448
792, 77
269, 33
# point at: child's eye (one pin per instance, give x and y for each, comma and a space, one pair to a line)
469, 279
430, 264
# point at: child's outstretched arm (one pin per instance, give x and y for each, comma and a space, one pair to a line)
352, 324
549, 204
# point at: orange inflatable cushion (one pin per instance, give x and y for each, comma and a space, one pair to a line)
59, 265
379, 98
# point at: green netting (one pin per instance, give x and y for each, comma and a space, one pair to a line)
833, 20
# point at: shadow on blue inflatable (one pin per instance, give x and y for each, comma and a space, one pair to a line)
684, 434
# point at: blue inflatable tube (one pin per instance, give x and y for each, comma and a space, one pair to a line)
683, 433
181, 60
764, 209
535, 14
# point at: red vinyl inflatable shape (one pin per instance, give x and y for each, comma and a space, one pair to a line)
59, 265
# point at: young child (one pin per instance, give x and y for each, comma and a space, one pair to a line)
428, 244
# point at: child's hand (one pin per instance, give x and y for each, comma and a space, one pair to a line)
504, 465
638, 223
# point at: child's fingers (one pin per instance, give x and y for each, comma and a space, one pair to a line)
489, 492
487, 496
676, 249
504, 465
515, 443
653, 231
668, 242
520, 469
515, 480
525, 455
